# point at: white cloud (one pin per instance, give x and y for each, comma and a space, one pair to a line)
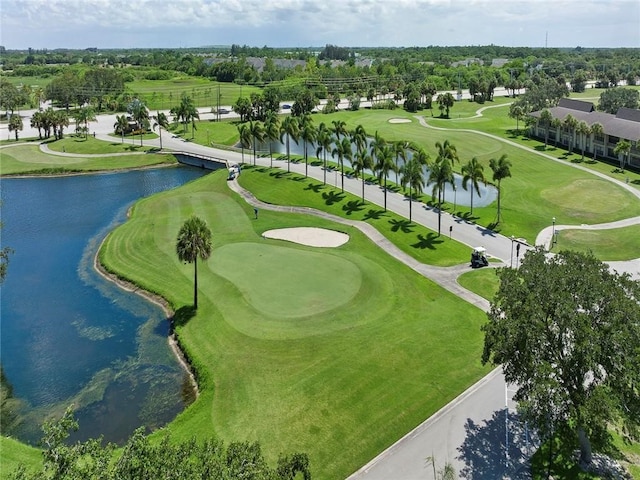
105, 23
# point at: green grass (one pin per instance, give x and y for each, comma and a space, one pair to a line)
276, 186
165, 94
90, 145
483, 281
209, 132
28, 159
13, 453
613, 244
341, 381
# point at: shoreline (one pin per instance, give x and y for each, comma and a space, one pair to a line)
158, 300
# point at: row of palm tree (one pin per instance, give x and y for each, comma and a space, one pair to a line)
376, 155
50, 121
573, 127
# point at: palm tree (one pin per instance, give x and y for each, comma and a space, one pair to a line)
308, 135
245, 137
400, 149
271, 131
445, 102
121, 125
473, 172
83, 116
140, 114
501, 169
583, 130
256, 131
289, 127
324, 140
621, 150
339, 129
440, 173
384, 164
448, 151
546, 118
160, 121
412, 176
596, 130
361, 163
342, 150
556, 123
15, 124
570, 123
194, 240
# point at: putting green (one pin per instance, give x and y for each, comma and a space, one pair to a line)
287, 282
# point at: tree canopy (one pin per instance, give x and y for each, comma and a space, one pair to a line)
567, 331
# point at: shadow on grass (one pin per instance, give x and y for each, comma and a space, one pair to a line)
332, 197
402, 225
280, 174
353, 206
374, 214
429, 241
314, 187
182, 316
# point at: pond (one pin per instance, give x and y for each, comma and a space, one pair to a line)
457, 195
69, 336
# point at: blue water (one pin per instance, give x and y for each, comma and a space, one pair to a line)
68, 335
457, 195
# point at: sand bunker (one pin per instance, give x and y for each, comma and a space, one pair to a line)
399, 120
311, 236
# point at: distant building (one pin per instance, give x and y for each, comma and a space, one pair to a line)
624, 125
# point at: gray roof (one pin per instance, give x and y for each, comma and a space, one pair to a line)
625, 124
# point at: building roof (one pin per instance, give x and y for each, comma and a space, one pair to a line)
625, 124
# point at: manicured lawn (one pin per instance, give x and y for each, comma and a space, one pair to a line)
483, 281
28, 159
365, 351
209, 132
90, 145
276, 186
13, 453
613, 244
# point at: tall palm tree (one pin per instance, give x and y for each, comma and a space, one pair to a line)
256, 130
556, 123
583, 130
596, 130
308, 135
121, 125
324, 139
342, 150
545, 120
161, 121
361, 163
194, 240
384, 165
339, 129
289, 127
448, 151
400, 149
473, 172
83, 116
245, 137
570, 123
412, 176
271, 130
440, 173
140, 114
501, 169
621, 150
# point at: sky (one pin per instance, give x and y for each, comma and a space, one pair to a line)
105, 24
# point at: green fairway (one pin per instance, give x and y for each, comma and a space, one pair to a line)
614, 244
28, 159
483, 281
366, 351
90, 145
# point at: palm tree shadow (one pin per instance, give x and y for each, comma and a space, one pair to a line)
429, 241
353, 206
332, 197
403, 225
468, 217
374, 214
182, 316
314, 187
279, 174
496, 447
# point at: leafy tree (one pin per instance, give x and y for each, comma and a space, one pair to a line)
473, 172
102, 82
243, 108
501, 169
611, 100
194, 240
10, 97
15, 124
64, 89
566, 330
579, 81
304, 104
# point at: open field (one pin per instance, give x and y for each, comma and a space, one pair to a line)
339, 376
613, 244
28, 159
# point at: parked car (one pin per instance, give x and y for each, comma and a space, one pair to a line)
286, 106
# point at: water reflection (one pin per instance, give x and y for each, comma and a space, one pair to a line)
68, 335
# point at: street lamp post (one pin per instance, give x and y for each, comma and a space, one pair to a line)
553, 232
512, 239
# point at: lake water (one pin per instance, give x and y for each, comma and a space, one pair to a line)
68, 335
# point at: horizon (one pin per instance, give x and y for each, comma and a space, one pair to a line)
184, 24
